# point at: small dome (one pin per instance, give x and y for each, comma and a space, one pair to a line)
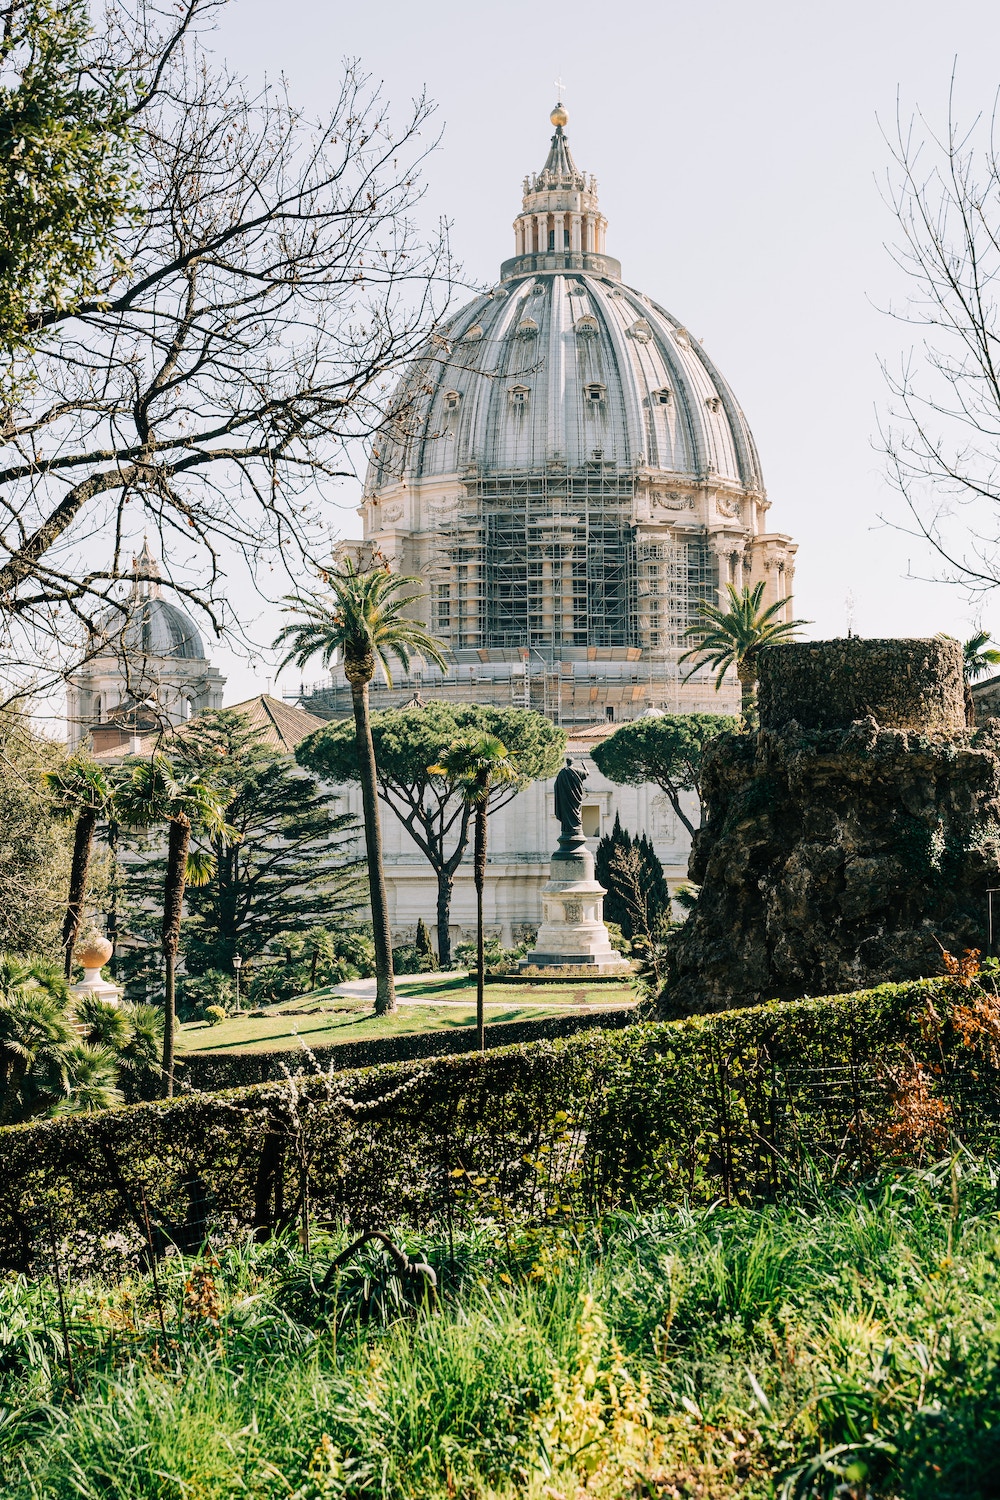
152, 626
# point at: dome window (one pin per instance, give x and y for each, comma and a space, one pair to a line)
663, 397
594, 394
641, 331
586, 327
527, 328
713, 403
472, 334
519, 395
452, 400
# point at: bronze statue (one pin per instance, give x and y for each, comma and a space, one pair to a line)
569, 800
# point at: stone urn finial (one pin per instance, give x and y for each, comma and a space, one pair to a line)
93, 951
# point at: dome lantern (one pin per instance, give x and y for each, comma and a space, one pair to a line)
560, 226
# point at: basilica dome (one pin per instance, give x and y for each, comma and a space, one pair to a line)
564, 465
561, 361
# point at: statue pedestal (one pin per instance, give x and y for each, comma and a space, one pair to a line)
573, 940
92, 983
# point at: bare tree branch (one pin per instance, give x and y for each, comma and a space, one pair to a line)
942, 435
247, 332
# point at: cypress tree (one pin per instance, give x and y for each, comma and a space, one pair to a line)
423, 945
619, 905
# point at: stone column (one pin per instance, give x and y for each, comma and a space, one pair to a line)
542, 232
574, 234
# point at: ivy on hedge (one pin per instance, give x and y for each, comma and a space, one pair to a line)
732, 1105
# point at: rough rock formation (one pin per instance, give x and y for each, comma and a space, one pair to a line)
850, 838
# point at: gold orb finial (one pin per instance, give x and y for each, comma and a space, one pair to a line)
559, 115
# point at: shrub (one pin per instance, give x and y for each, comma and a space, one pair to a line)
407, 958
732, 1106
214, 1014
199, 991
497, 958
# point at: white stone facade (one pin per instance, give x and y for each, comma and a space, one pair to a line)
522, 838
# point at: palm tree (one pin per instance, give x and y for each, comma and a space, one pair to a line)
363, 623
153, 792
36, 1036
480, 764
734, 637
978, 655
81, 789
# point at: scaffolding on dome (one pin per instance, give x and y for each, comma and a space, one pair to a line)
551, 560
542, 561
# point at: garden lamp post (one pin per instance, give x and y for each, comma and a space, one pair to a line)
237, 966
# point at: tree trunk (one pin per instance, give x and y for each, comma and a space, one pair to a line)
173, 905
83, 843
479, 869
313, 966
673, 798
446, 885
385, 989
746, 671
112, 924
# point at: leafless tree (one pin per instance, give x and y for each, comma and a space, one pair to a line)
942, 437
247, 330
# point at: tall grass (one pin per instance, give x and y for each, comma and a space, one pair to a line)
844, 1341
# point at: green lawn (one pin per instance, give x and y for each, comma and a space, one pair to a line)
431, 1004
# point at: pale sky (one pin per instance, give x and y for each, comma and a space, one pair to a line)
737, 149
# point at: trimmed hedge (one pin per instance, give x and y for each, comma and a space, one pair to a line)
734, 1105
213, 1070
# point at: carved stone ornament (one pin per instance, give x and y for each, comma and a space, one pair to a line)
728, 507
669, 500
443, 502
391, 512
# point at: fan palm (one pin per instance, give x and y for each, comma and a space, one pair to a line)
978, 655
91, 1080
364, 624
82, 790
479, 764
35, 1039
734, 637
153, 792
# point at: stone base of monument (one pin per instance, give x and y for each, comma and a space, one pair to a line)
572, 942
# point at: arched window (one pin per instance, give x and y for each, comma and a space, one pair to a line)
594, 393
452, 400
519, 395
